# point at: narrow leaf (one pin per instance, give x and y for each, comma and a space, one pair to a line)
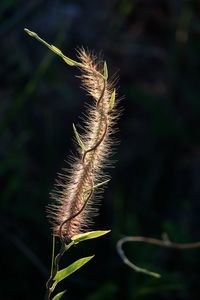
97, 185
112, 99
100, 184
62, 274
81, 144
36, 36
58, 296
53, 48
71, 62
105, 71
88, 235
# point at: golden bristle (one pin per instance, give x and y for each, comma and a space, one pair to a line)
74, 199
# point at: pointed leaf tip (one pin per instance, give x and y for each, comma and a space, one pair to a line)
80, 142
62, 274
105, 71
53, 48
100, 184
71, 62
29, 32
59, 295
94, 187
88, 235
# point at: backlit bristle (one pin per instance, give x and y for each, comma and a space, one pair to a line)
74, 193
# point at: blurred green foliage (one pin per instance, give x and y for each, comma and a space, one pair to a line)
155, 185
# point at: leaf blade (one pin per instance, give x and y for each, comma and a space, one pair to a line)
53, 48
88, 235
105, 71
62, 274
80, 142
59, 295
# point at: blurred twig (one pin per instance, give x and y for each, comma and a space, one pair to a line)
165, 242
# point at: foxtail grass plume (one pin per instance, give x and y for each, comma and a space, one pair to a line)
73, 195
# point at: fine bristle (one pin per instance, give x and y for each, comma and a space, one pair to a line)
74, 204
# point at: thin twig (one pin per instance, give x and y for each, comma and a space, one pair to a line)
165, 242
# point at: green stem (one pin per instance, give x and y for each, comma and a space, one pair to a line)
53, 254
55, 266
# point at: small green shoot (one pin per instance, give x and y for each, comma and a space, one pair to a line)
105, 71
53, 48
59, 295
97, 185
80, 142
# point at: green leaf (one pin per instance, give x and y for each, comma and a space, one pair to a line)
100, 184
105, 71
58, 296
81, 144
88, 235
56, 50
31, 33
53, 48
97, 185
62, 274
112, 99
70, 61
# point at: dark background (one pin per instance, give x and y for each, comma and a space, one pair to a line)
155, 48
